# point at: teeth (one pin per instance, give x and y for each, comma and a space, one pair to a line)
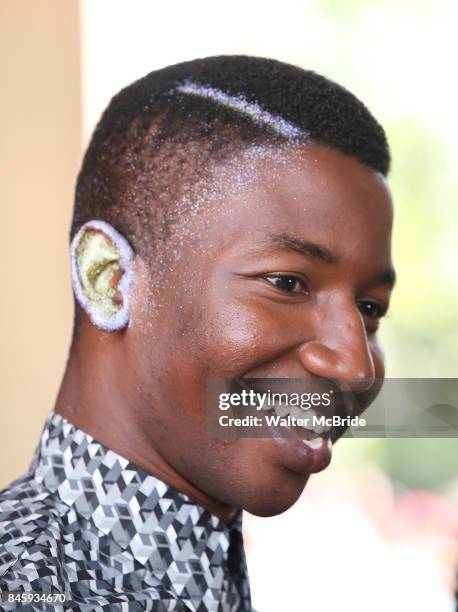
296, 412
282, 410
308, 422
309, 419
306, 415
314, 443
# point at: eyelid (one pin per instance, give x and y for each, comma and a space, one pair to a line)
299, 277
383, 307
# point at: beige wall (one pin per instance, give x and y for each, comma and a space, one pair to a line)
40, 148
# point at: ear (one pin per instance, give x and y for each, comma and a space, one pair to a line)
101, 261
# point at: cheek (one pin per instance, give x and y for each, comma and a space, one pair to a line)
240, 336
234, 336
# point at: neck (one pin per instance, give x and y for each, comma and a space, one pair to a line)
96, 399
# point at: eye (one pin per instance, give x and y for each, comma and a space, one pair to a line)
370, 309
287, 283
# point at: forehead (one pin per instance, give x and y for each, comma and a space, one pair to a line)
309, 191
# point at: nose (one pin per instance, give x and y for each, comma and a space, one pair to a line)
340, 350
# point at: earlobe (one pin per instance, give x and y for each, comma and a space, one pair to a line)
101, 263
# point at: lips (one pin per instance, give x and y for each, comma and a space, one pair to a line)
306, 448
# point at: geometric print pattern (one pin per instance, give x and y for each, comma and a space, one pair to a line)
87, 522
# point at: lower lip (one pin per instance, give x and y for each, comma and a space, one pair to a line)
296, 455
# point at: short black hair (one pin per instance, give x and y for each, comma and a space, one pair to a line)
159, 135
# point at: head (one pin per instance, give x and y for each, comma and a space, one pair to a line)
252, 200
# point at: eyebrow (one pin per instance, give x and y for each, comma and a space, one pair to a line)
386, 277
288, 242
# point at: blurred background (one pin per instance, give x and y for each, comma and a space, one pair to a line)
380, 525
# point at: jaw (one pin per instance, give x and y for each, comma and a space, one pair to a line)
276, 499
256, 480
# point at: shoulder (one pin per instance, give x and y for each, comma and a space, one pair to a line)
30, 535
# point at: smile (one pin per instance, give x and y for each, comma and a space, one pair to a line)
307, 418
302, 435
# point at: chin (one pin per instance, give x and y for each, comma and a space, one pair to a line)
276, 499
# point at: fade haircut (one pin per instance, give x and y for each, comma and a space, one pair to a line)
160, 135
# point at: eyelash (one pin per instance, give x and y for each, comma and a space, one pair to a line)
296, 279
380, 309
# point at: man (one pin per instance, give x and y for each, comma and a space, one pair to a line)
231, 220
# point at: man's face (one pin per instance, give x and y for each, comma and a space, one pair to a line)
283, 274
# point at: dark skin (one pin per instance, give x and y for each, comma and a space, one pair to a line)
288, 277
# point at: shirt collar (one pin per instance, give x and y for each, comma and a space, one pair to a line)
122, 500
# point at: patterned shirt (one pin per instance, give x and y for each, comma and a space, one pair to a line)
87, 523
